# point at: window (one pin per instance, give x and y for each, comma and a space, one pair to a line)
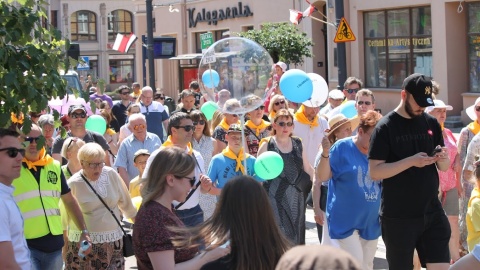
217, 35
474, 45
119, 22
121, 71
83, 26
397, 43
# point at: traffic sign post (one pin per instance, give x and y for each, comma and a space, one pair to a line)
84, 63
206, 40
344, 32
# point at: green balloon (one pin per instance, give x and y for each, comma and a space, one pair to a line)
268, 165
96, 123
208, 109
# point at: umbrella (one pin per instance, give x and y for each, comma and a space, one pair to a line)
62, 105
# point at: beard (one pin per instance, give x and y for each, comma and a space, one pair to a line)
409, 110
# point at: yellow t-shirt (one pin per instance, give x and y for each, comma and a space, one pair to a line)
473, 219
134, 187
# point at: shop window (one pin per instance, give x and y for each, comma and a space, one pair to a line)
121, 71
83, 26
474, 45
217, 35
119, 22
397, 43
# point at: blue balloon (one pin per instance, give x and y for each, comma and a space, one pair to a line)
348, 109
296, 85
210, 78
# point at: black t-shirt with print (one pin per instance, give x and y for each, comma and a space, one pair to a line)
413, 192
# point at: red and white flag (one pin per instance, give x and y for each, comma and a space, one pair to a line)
123, 43
309, 11
295, 16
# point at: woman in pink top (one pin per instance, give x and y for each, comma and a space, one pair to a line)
450, 180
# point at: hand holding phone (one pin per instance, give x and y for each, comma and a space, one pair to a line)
437, 149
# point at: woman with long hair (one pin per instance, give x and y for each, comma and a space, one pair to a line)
125, 129
287, 200
277, 103
203, 142
171, 176
244, 221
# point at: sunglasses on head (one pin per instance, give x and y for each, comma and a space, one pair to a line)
191, 180
32, 139
78, 115
199, 122
352, 90
261, 108
187, 128
279, 102
477, 108
72, 141
12, 152
282, 124
368, 103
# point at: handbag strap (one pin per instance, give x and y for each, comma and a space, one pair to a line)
109, 210
193, 189
251, 131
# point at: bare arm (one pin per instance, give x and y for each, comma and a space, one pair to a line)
107, 159
323, 172
443, 161
74, 212
468, 262
7, 258
220, 145
124, 174
379, 169
164, 260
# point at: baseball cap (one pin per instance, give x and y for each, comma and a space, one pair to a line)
139, 153
420, 87
336, 94
282, 65
234, 128
73, 108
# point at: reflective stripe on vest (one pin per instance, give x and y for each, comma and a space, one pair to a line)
34, 193
41, 212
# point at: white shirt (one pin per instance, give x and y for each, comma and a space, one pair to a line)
11, 227
311, 138
194, 199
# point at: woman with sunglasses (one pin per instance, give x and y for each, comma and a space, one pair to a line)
277, 103
256, 129
228, 119
288, 201
203, 142
171, 175
105, 234
125, 129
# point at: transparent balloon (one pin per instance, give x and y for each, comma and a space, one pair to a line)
243, 68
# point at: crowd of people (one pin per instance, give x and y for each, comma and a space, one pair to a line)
189, 184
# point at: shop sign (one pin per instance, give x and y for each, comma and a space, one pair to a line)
395, 42
212, 17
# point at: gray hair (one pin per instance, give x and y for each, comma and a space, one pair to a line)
46, 119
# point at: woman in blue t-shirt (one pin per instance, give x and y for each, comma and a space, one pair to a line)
353, 199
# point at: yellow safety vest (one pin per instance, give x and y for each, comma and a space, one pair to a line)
39, 204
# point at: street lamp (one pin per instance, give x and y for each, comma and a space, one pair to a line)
151, 66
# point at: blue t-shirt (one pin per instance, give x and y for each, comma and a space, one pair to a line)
222, 169
353, 201
155, 114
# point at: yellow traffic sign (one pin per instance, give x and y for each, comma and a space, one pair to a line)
344, 32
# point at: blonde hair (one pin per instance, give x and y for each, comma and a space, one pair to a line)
216, 119
170, 160
91, 150
68, 145
274, 99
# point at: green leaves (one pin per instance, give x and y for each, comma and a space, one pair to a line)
283, 41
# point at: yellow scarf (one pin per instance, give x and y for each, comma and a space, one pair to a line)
271, 116
229, 153
474, 127
169, 143
264, 124
44, 160
110, 131
301, 118
442, 126
224, 124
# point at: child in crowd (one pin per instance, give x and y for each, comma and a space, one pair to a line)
139, 161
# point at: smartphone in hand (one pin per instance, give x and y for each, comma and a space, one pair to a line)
437, 149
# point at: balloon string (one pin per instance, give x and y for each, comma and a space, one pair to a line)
242, 121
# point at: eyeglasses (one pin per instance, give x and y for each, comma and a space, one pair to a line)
72, 141
187, 128
12, 152
279, 102
352, 90
368, 103
190, 179
95, 165
32, 139
282, 124
263, 107
136, 127
477, 108
125, 93
199, 122
78, 115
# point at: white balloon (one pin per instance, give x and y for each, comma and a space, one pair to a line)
319, 93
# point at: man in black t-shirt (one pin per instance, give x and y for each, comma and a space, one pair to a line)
401, 153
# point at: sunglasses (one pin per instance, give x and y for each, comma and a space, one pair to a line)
32, 139
368, 103
190, 179
160, 97
353, 90
187, 128
199, 122
136, 127
95, 165
279, 102
125, 93
262, 107
477, 108
72, 141
12, 152
78, 115
282, 124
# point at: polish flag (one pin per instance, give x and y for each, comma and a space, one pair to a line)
309, 11
295, 16
123, 43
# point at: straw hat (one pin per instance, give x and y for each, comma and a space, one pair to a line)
339, 120
471, 110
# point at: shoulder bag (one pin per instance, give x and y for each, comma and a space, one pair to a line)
127, 238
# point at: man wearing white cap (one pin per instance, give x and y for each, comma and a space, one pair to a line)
335, 98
